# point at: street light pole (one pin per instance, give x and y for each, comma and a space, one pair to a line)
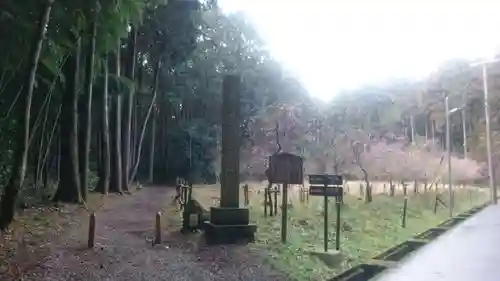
448, 153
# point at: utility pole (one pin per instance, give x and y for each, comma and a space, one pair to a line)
464, 124
493, 190
412, 124
448, 153
488, 135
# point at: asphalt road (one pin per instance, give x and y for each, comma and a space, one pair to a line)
470, 251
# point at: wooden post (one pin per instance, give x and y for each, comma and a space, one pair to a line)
405, 206
326, 221
184, 196
157, 229
391, 187
284, 212
91, 239
265, 201
269, 199
245, 194
276, 200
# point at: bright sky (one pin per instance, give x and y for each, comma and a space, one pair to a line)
342, 44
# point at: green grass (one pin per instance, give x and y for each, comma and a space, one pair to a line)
367, 229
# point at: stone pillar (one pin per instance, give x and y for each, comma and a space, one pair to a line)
230, 162
229, 223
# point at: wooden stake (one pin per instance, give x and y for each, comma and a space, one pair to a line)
436, 204
265, 202
405, 206
276, 200
91, 239
245, 194
158, 229
337, 230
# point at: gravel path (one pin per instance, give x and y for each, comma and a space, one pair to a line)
124, 252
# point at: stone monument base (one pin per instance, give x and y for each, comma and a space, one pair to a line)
229, 226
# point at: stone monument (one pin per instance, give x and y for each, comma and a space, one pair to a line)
230, 223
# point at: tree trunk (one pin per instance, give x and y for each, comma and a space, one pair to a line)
152, 148
46, 159
40, 164
116, 176
136, 114
69, 184
104, 175
58, 152
86, 108
368, 193
433, 131
464, 130
412, 125
98, 148
18, 173
133, 134
129, 103
146, 118
391, 187
426, 128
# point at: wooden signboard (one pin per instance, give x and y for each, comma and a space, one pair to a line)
286, 168
329, 191
325, 179
325, 185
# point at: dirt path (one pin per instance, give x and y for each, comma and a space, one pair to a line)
124, 250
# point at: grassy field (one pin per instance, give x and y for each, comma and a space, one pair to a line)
367, 229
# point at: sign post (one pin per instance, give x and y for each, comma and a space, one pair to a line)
285, 168
325, 222
337, 232
328, 186
284, 212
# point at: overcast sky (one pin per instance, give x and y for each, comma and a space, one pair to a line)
342, 44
